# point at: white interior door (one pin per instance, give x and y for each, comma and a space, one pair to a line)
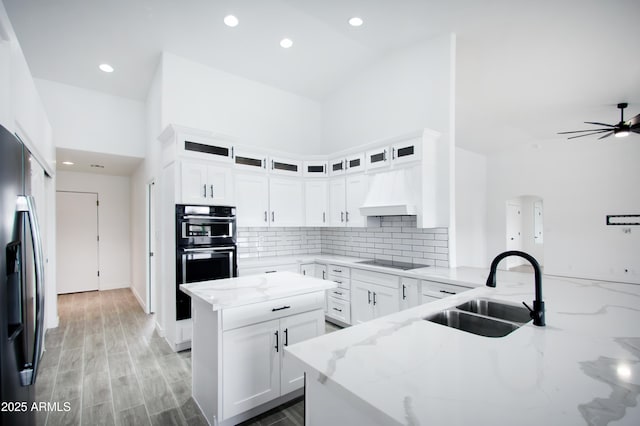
151, 247
76, 241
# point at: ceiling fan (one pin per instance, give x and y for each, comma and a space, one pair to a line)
620, 130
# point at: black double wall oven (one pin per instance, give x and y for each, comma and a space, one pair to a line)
205, 248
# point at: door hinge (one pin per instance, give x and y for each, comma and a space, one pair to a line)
98, 203
98, 273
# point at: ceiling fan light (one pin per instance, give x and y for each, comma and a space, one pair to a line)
621, 133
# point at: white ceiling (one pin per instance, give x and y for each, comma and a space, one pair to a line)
90, 162
526, 69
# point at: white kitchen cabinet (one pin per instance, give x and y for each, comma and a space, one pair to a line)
370, 301
355, 163
338, 299
409, 293
245, 159
286, 201
406, 151
433, 290
269, 269
256, 346
315, 195
285, 166
261, 346
294, 329
377, 158
206, 147
315, 168
205, 184
316, 270
346, 195
356, 191
252, 199
337, 166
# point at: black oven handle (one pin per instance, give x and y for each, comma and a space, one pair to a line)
207, 249
209, 217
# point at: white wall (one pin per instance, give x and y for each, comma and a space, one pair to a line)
201, 97
88, 120
528, 241
113, 222
406, 91
580, 182
471, 208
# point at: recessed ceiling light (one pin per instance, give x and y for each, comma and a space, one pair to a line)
68, 163
106, 67
355, 21
231, 21
96, 166
286, 43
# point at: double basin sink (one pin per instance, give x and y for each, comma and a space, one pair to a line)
484, 317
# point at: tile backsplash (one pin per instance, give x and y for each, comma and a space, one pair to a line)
397, 238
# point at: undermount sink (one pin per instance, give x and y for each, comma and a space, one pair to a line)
471, 323
500, 310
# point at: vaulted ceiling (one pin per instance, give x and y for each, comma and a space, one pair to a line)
525, 69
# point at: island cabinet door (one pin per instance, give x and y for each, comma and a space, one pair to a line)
251, 373
361, 302
295, 329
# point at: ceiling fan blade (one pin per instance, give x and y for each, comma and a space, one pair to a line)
605, 136
590, 130
589, 134
599, 124
634, 121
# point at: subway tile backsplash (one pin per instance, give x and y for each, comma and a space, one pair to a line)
397, 238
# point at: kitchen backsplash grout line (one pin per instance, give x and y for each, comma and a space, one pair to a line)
397, 238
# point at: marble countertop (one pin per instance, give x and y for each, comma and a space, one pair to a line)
582, 368
230, 292
465, 276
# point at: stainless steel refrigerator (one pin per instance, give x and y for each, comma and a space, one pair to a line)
21, 285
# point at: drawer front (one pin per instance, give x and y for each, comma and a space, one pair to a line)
273, 309
339, 271
339, 309
344, 283
340, 293
292, 267
440, 290
379, 278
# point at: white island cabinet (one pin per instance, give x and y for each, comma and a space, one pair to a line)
240, 329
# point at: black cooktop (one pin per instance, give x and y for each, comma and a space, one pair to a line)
405, 266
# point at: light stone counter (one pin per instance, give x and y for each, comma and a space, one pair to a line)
232, 292
582, 368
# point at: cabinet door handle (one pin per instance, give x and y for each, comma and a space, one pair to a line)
384, 155
264, 163
374, 298
323, 274
273, 216
341, 216
265, 216
271, 164
286, 337
231, 152
205, 191
336, 309
447, 292
211, 188
404, 295
280, 308
324, 218
393, 153
369, 297
347, 216
276, 333
304, 272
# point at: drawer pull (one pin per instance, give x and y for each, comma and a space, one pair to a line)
280, 309
337, 270
447, 292
269, 272
336, 309
337, 292
339, 282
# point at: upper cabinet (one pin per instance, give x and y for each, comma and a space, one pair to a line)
355, 163
337, 166
205, 184
285, 166
406, 151
377, 158
245, 159
315, 168
208, 149
252, 199
286, 200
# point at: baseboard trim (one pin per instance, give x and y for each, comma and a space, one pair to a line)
140, 300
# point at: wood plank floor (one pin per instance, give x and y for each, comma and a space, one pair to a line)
108, 362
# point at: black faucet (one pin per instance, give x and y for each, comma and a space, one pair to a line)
537, 313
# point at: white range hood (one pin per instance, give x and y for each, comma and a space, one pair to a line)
391, 193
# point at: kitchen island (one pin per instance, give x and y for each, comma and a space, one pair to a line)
582, 368
240, 329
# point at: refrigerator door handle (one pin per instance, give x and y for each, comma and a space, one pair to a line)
26, 206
